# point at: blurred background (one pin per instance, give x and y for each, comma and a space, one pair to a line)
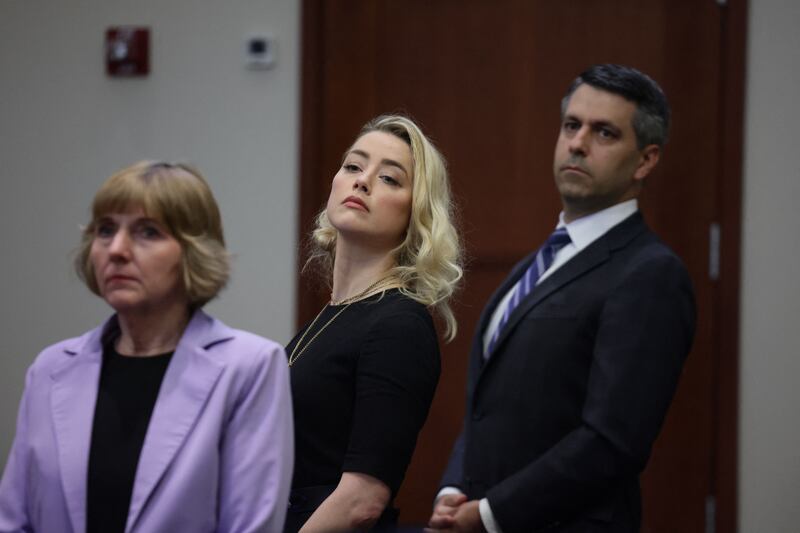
264, 96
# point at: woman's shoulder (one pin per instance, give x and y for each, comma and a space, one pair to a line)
54, 354
397, 312
64, 352
394, 302
234, 345
244, 338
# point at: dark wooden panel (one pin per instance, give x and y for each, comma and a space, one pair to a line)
485, 80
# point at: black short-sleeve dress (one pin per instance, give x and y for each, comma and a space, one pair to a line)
361, 391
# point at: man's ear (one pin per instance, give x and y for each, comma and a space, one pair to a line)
648, 159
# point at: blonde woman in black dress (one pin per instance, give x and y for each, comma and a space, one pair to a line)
365, 370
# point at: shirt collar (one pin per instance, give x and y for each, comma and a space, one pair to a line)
583, 231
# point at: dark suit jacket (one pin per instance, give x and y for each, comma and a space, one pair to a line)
561, 419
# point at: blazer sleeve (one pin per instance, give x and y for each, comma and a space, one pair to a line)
644, 332
13, 486
257, 449
454, 472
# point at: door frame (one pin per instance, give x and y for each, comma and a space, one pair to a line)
732, 60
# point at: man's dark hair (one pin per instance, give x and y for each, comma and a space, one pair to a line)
651, 120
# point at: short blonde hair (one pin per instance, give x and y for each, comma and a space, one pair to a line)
177, 196
429, 260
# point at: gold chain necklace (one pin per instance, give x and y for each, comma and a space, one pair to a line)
366, 292
347, 302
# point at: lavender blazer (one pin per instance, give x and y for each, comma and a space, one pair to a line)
217, 456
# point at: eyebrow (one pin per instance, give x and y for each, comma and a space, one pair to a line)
595, 124
390, 162
141, 220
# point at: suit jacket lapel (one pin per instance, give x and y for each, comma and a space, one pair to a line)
593, 255
476, 360
188, 382
72, 403
577, 266
498, 294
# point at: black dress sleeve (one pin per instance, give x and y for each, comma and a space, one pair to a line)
396, 377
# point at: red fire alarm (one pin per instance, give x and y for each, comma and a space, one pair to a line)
127, 51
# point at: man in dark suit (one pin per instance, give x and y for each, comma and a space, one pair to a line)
577, 355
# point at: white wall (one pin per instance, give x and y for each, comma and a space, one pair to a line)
65, 126
769, 474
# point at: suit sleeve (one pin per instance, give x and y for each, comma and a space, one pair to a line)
454, 473
13, 486
257, 450
644, 332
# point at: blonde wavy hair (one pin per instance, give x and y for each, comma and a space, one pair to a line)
428, 263
177, 196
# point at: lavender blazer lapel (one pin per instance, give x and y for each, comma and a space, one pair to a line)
188, 382
73, 398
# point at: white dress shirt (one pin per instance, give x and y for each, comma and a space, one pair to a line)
582, 232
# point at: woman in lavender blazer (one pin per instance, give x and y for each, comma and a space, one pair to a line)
162, 419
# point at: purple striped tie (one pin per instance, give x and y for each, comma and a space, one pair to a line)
544, 258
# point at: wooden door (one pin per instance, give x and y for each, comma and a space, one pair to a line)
485, 79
